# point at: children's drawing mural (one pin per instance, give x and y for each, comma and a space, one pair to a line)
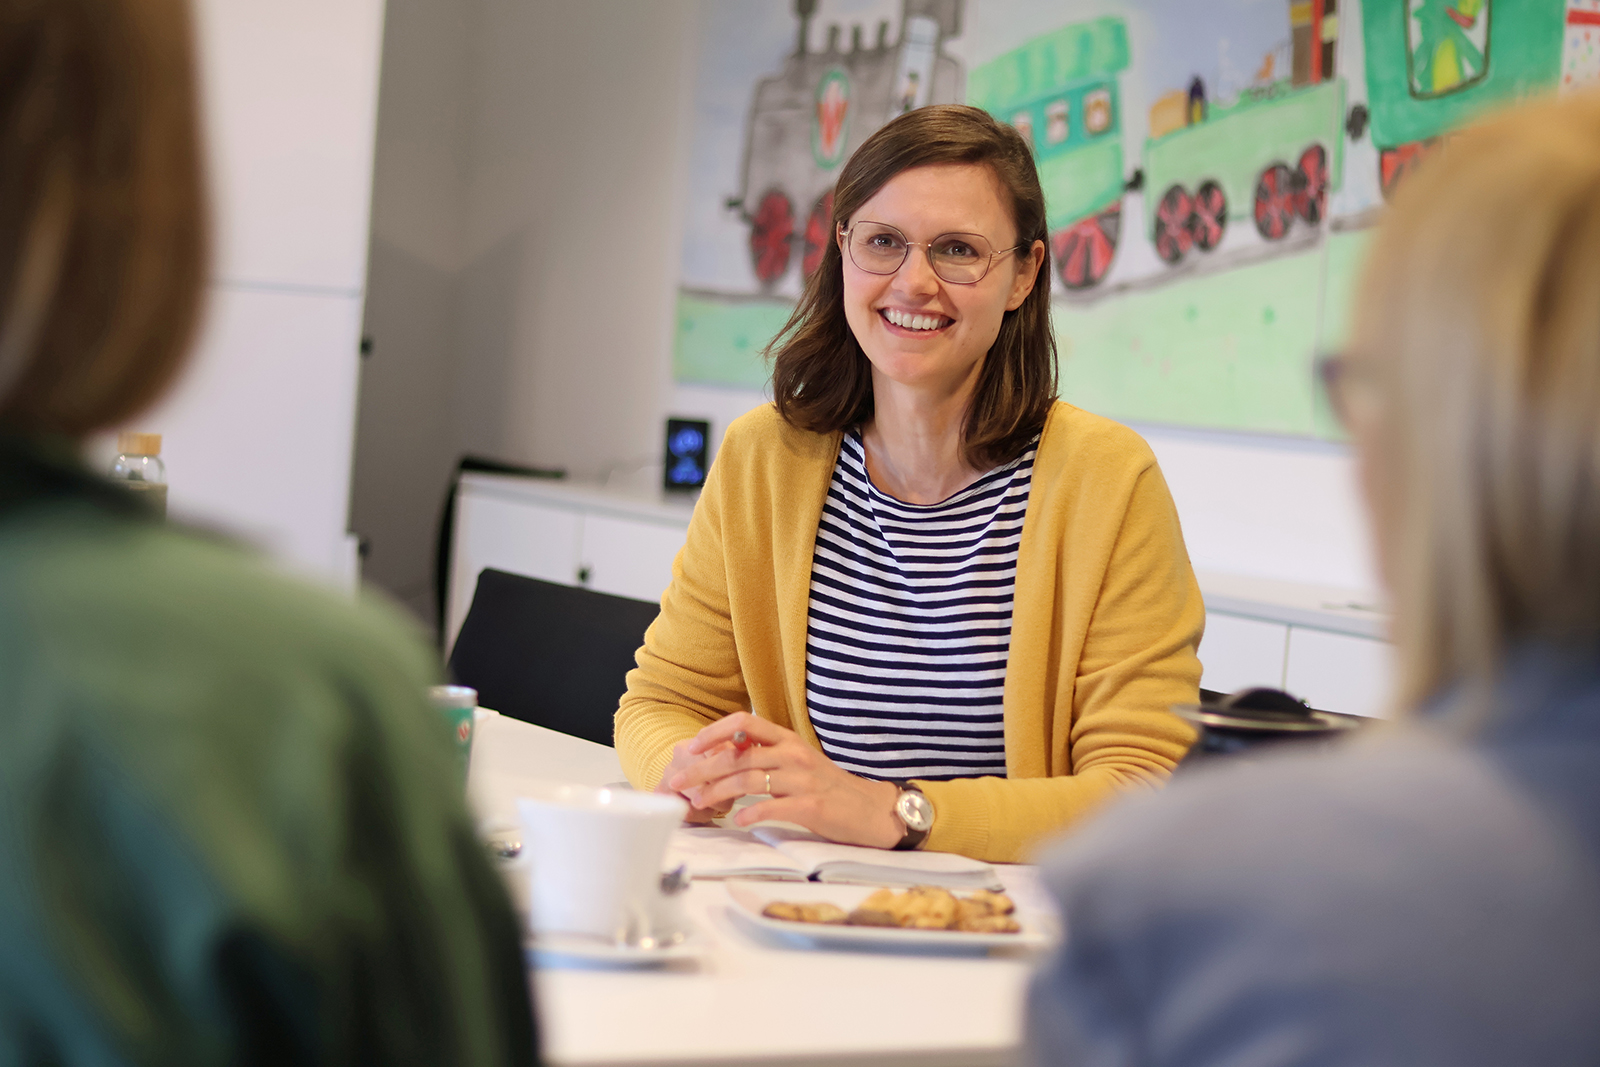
1212, 168
806, 120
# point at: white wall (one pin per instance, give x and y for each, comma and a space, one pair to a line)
525, 244
573, 194
258, 435
562, 295
1268, 508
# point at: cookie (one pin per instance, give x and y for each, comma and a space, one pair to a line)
821, 913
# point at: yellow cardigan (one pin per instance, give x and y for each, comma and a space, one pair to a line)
1105, 625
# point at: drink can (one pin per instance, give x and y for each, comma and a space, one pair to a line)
458, 704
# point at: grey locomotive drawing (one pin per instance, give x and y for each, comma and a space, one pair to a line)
806, 119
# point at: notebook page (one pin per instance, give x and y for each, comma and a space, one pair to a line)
727, 852
859, 863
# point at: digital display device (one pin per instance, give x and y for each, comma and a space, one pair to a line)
688, 441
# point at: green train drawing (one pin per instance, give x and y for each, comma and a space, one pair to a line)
1275, 154
1271, 156
1061, 91
1432, 64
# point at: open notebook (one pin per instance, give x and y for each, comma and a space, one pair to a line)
781, 852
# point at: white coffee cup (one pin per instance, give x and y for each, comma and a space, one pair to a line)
594, 861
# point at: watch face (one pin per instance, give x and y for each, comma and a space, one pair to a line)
915, 811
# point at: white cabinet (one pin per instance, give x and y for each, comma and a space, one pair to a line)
519, 536
1240, 653
1321, 643
1339, 672
277, 371
562, 532
628, 557
291, 92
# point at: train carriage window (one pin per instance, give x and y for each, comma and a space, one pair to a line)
1097, 111
1056, 126
1023, 121
1447, 45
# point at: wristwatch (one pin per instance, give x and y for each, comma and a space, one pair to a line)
913, 809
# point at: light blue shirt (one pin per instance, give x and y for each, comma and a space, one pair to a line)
1427, 896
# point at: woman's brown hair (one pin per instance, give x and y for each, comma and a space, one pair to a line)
102, 220
1474, 396
821, 380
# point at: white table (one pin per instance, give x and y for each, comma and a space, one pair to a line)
750, 1001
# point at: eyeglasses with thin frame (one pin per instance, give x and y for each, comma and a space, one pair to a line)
958, 258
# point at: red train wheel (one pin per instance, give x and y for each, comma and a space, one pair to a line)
1396, 163
1275, 202
771, 233
1071, 253
1107, 230
1210, 216
1312, 176
1174, 232
819, 231
1085, 249
1391, 165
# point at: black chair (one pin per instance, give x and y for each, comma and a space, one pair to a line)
553, 655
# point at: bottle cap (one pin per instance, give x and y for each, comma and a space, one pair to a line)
139, 444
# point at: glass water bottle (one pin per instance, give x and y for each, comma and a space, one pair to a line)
138, 466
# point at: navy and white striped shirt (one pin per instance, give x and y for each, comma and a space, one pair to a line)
909, 623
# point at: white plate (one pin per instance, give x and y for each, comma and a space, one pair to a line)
555, 949
1039, 931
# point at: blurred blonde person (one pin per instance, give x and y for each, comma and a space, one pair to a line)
1430, 895
231, 830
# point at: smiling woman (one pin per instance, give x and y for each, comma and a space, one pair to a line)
926, 321
951, 172
922, 602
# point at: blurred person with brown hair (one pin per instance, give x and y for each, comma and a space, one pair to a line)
947, 610
231, 826
1429, 894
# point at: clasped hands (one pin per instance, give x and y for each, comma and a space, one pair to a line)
710, 771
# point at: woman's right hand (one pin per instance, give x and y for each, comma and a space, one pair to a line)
683, 759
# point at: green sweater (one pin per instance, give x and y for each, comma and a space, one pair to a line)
231, 830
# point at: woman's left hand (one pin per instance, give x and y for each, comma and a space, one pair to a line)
807, 787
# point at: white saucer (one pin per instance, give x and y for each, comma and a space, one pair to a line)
552, 949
